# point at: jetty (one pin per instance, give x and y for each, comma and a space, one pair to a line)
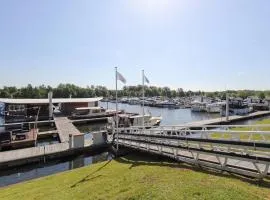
223, 149
72, 142
65, 129
223, 120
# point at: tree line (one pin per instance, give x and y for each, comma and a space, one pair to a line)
71, 90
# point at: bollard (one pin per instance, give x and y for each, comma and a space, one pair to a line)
70, 141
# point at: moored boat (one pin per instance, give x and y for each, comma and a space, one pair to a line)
92, 112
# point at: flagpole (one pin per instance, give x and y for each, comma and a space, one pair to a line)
143, 97
116, 107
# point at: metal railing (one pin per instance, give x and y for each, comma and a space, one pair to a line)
245, 150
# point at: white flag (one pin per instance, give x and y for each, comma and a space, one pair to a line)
146, 79
121, 78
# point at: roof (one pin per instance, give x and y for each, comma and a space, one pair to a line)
46, 101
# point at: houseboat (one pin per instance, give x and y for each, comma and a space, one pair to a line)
165, 104
92, 112
17, 139
214, 107
198, 106
236, 107
128, 120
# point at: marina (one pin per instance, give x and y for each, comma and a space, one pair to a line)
74, 141
134, 100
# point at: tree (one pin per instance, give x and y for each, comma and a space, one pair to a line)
261, 95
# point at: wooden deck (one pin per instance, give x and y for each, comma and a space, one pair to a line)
222, 120
65, 128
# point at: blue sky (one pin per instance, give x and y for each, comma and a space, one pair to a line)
207, 44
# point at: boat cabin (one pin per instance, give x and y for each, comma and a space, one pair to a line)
89, 110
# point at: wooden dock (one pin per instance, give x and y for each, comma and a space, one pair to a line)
65, 128
222, 120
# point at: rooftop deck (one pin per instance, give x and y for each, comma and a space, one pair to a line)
46, 101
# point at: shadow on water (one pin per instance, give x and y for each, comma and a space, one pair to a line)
32, 171
143, 159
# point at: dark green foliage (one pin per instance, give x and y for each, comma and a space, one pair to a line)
71, 90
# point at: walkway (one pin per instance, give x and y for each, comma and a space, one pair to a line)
231, 151
222, 120
65, 128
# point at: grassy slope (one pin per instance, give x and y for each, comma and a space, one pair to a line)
136, 178
245, 136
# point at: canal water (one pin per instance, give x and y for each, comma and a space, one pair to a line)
28, 172
170, 117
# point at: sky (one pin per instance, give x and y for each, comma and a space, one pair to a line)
191, 44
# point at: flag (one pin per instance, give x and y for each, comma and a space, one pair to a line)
146, 79
121, 78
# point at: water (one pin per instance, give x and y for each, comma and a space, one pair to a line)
2, 121
169, 116
47, 141
28, 172
20, 174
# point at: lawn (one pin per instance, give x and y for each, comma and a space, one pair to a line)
137, 177
244, 136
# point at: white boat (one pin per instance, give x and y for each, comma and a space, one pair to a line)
214, 107
92, 112
134, 101
198, 106
236, 107
126, 120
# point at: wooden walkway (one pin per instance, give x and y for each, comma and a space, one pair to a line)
65, 128
222, 120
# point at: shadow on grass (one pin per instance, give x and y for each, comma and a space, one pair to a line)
88, 177
143, 159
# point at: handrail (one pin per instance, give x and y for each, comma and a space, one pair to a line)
210, 126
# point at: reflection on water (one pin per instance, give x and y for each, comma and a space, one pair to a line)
2, 121
8, 177
47, 141
169, 116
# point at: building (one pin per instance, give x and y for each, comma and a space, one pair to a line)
27, 109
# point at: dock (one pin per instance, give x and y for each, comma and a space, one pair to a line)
227, 151
65, 128
222, 120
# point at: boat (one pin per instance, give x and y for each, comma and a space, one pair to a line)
2, 109
17, 139
236, 107
198, 106
165, 104
214, 107
134, 101
92, 112
129, 120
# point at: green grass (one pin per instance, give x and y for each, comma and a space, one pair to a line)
244, 136
137, 177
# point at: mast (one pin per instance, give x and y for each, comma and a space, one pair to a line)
143, 97
116, 108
